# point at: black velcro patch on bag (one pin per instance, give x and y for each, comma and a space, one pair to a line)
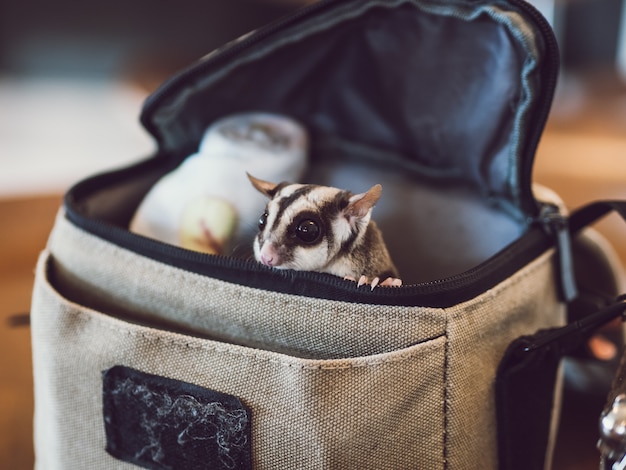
161, 423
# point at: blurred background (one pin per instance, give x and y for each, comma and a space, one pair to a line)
74, 74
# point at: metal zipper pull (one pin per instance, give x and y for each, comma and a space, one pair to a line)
556, 225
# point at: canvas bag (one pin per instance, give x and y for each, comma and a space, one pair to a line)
147, 354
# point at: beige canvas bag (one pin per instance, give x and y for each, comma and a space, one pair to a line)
149, 355
392, 387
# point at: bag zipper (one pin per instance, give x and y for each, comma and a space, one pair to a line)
445, 292
549, 78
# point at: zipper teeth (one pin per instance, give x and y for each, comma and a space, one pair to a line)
552, 62
483, 276
525, 248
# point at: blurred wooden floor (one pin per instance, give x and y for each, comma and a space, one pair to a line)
581, 159
24, 228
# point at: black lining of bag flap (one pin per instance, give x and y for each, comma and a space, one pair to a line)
378, 72
97, 195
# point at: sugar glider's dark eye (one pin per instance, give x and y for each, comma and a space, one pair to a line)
263, 220
308, 231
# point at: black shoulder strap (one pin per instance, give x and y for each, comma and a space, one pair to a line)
526, 377
594, 211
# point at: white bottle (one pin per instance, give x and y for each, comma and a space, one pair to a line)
207, 203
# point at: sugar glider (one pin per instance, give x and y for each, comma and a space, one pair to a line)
201, 204
309, 227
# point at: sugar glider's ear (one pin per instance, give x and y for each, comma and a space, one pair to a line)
359, 205
264, 187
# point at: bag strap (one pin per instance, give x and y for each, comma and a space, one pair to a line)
594, 211
526, 376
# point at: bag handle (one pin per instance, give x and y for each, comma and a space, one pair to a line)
526, 376
594, 211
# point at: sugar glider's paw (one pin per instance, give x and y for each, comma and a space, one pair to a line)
389, 282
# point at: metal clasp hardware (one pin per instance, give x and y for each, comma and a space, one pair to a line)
612, 442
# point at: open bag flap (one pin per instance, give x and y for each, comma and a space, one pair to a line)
453, 89
442, 102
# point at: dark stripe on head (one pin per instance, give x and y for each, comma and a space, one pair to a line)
286, 201
329, 212
347, 244
279, 187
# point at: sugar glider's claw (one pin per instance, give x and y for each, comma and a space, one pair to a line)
391, 282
